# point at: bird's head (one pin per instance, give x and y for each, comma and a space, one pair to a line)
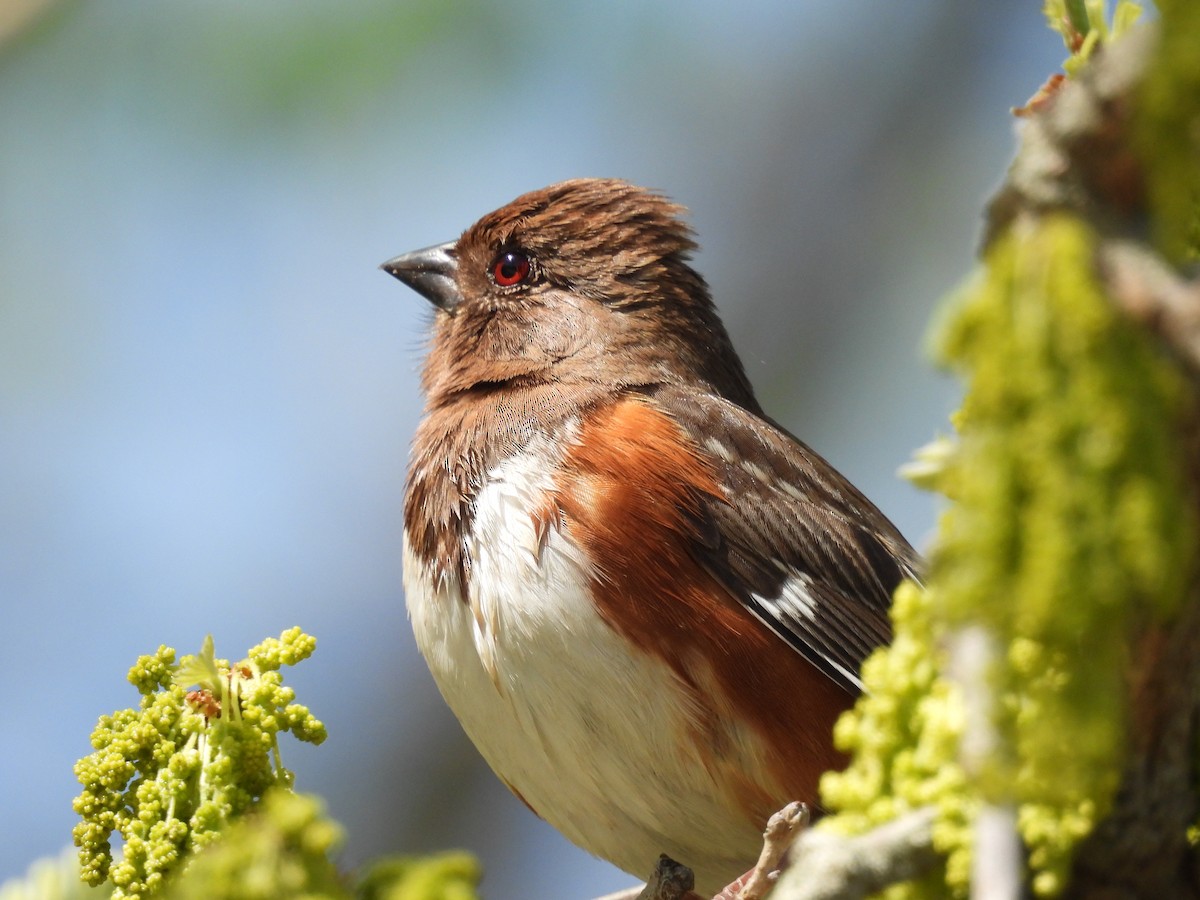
583, 281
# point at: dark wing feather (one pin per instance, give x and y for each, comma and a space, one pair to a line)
794, 542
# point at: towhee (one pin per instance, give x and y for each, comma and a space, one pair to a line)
646, 602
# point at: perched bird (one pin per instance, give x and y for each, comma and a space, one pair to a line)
645, 601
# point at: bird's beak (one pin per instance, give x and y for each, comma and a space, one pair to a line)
431, 273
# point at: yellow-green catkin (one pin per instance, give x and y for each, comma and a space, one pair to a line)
1071, 524
903, 736
281, 851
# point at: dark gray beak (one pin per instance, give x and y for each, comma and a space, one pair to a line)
431, 273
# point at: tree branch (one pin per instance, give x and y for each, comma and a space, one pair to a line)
831, 867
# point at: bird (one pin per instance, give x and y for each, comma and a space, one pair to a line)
645, 600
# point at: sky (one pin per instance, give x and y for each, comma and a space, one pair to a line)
207, 387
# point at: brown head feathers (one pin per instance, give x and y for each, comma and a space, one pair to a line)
583, 281
595, 237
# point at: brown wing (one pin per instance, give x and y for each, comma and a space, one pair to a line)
795, 542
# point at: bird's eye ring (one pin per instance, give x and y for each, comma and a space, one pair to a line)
510, 268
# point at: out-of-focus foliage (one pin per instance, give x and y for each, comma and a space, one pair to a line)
54, 878
446, 876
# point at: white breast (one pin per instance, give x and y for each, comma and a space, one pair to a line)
587, 729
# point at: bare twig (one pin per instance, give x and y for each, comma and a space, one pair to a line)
830, 867
670, 881
1075, 152
998, 861
1155, 294
627, 894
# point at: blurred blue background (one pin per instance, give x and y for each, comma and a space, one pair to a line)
207, 389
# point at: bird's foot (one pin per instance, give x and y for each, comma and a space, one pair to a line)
781, 832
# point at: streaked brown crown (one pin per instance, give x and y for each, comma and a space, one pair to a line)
611, 299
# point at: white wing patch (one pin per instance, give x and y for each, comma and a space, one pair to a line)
796, 608
797, 605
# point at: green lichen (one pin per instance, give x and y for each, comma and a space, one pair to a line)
1072, 524
53, 878
1167, 132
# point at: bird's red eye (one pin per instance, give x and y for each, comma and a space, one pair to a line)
510, 268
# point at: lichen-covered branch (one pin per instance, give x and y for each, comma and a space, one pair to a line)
1073, 538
